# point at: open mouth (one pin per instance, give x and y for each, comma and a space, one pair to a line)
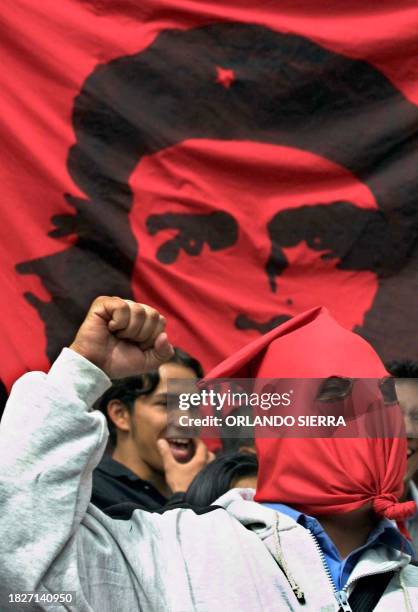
182, 449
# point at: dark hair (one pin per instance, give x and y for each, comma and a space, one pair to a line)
127, 390
217, 477
125, 112
186, 360
403, 368
233, 443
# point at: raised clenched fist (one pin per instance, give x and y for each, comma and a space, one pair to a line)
123, 338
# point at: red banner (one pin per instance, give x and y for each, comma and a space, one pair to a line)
232, 164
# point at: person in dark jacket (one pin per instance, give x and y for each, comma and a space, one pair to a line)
136, 411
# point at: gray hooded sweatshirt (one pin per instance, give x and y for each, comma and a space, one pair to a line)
238, 557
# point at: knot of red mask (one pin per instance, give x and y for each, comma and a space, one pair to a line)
389, 507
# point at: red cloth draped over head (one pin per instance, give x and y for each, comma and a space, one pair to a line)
320, 476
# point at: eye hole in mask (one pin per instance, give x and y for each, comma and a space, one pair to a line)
334, 388
388, 390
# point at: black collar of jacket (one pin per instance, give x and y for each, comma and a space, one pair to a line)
116, 469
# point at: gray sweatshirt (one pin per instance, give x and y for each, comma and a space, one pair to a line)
239, 557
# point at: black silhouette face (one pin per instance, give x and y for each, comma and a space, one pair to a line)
241, 273
247, 250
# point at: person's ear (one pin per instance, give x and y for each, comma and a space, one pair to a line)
118, 413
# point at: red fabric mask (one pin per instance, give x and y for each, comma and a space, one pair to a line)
321, 476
